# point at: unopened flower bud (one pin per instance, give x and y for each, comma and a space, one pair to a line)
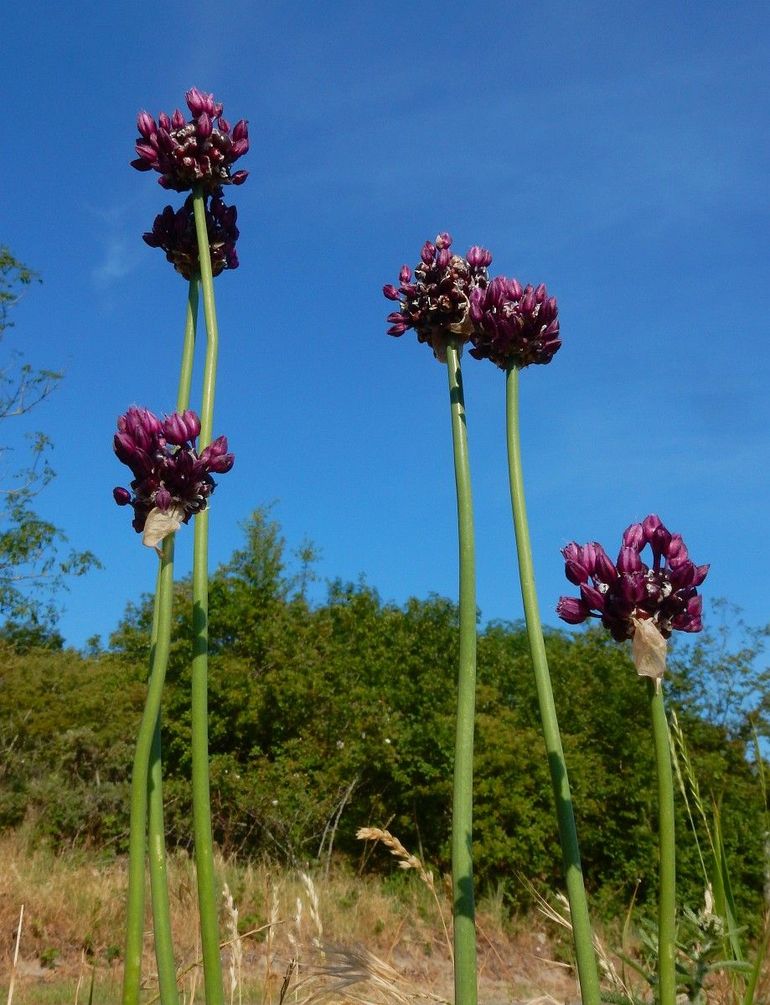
145, 123
572, 610
633, 537
479, 257
205, 127
163, 498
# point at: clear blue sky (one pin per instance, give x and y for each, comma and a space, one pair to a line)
617, 152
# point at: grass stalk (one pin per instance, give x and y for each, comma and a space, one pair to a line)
588, 974
666, 848
208, 901
462, 800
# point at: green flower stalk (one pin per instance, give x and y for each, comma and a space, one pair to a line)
204, 854
164, 950
156, 832
514, 327
666, 847
582, 933
147, 746
436, 304
645, 603
462, 797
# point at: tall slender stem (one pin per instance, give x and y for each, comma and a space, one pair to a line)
204, 852
161, 914
666, 848
462, 800
581, 923
139, 779
141, 814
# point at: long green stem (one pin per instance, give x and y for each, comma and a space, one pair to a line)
161, 914
666, 849
139, 779
204, 852
581, 923
462, 800
140, 815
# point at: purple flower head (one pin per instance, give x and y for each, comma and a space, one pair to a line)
514, 326
169, 474
198, 151
174, 233
436, 301
629, 590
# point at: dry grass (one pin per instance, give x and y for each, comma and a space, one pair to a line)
341, 937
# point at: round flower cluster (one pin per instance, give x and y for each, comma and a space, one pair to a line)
175, 233
628, 590
168, 472
436, 302
186, 153
514, 326
452, 299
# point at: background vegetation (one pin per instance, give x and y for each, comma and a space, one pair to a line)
327, 717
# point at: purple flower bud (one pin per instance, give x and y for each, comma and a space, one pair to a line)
405, 274
428, 253
196, 101
572, 610
216, 458
604, 570
443, 241
479, 257
163, 498
660, 539
650, 524
147, 152
181, 428
631, 589
205, 126
588, 557
121, 496
701, 571
165, 122
633, 537
223, 125
629, 561
390, 291
593, 597
145, 123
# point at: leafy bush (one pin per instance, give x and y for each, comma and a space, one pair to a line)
326, 718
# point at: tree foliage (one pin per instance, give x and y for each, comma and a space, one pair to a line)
32, 569
325, 718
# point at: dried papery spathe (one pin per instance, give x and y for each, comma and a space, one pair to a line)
648, 649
